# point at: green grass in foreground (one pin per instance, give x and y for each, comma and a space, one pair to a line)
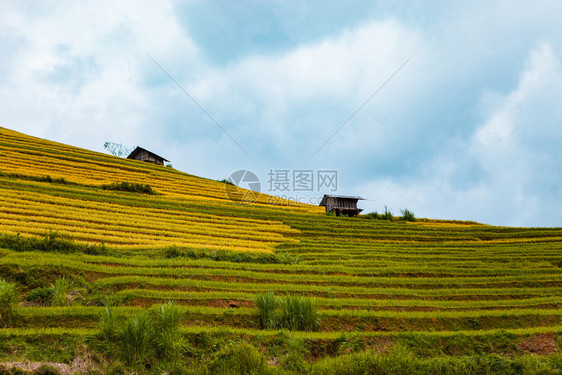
232, 351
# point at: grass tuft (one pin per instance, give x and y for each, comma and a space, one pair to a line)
8, 300
169, 342
299, 314
136, 338
267, 305
407, 215
60, 290
387, 215
108, 324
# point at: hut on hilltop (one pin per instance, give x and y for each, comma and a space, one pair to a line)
142, 154
341, 204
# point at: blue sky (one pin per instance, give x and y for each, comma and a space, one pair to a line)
470, 128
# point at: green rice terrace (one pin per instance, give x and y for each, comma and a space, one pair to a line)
176, 278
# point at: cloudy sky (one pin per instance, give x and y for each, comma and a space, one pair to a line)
469, 128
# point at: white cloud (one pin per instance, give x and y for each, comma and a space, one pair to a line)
517, 151
293, 102
76, 76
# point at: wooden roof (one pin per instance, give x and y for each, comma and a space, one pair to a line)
346, 197
133, 154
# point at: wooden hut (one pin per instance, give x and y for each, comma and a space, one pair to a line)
341, 204
140, 153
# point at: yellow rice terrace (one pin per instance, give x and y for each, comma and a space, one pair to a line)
111, 265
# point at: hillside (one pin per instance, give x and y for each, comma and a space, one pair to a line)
441, 289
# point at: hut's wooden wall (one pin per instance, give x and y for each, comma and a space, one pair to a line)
146, 156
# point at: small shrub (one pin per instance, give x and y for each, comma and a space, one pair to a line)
95, 249
60, 289
173, 251
387, 215
8, 300
241, 358
42, 296
225, 181
408, 215
267, 304
130, 187
372, 215
295, 358
350, 345
53, 241
286, 258
295, 363
136, 338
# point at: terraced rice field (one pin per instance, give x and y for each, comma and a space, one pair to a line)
371, 279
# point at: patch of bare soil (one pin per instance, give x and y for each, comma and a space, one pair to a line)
381, 345
83, 363
32, 366
541, 344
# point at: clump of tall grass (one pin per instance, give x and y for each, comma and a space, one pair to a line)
8, 300
60, 289
169, 343
408, 215
136, 338
309, 314
42, 296
267, 305
144, 336
387, 215
299, 314
296, 313
168, 317
108, 323
291, 313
